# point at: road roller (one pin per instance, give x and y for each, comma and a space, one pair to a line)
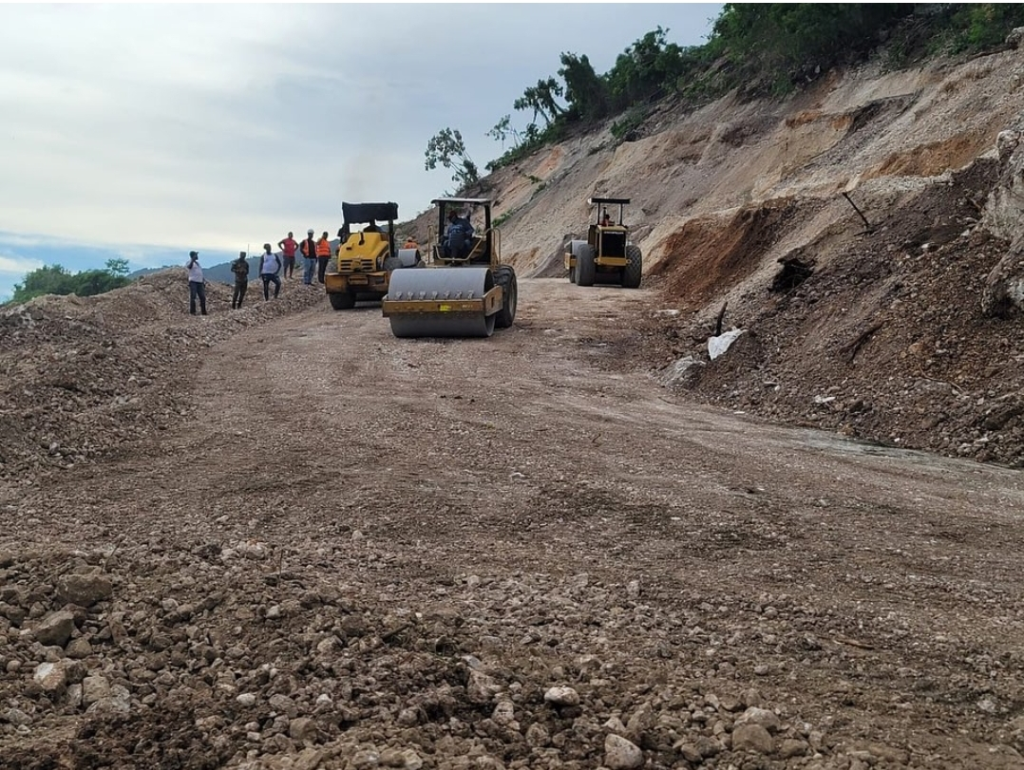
606, 256
366, 259
464, 290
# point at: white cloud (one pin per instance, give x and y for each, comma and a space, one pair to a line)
18, 266
207, 126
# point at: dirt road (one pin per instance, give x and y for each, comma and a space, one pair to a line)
394, 538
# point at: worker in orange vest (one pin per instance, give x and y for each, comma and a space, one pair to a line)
323, 256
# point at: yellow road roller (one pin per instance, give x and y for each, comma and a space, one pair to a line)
464, 291
365, 260
606, 256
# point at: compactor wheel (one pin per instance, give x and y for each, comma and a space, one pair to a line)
438, 284
634, 269
586, 268
342, 300
505, 277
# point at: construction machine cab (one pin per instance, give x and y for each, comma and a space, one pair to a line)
607, 235
481, 249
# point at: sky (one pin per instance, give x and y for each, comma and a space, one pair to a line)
145, 131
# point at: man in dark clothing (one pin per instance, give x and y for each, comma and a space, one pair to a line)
308, 248
240, 267
459, 235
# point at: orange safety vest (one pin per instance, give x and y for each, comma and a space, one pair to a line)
323, 248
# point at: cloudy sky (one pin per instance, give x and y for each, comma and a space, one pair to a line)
144, 131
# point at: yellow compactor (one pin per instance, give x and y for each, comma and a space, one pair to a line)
464, 291
606, 256
366, 260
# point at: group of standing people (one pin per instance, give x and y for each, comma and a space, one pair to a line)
315, 252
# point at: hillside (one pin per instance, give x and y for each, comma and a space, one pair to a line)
887, 339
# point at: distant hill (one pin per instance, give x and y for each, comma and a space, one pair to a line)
136, 274
220, 272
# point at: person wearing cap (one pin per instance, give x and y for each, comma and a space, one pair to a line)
270, 266
240, 267
288, 247
308, 248
458, 236
196, 285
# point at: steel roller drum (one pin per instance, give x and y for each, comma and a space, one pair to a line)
436, 285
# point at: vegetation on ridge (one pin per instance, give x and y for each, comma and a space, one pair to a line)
765, 49
56, 279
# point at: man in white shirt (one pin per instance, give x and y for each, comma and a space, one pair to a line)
196, 287
270, 266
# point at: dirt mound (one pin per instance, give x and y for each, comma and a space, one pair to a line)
82, 377
885, 340
710, 255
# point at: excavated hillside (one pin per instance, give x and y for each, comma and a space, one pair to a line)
886, 339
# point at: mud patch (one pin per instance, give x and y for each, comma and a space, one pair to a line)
707, 256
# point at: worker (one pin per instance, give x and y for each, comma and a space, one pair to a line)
458, 236
410, 243
308, 249
288, 246
240, 267
196, 284
270, 266
323, 256
606, 220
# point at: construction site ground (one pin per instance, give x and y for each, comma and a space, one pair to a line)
331, 548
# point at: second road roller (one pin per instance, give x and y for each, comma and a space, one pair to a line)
465, 290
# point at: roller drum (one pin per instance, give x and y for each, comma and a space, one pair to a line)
439, 284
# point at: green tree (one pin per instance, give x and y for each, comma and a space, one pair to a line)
541, 99
775, 44
585, 92
118, 267
56, 279
448, 149
645, 70
503, 130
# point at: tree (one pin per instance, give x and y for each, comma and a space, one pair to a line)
584, 90
503, 130
541, 99
55, 279
118, 267
447, 148
644, 70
